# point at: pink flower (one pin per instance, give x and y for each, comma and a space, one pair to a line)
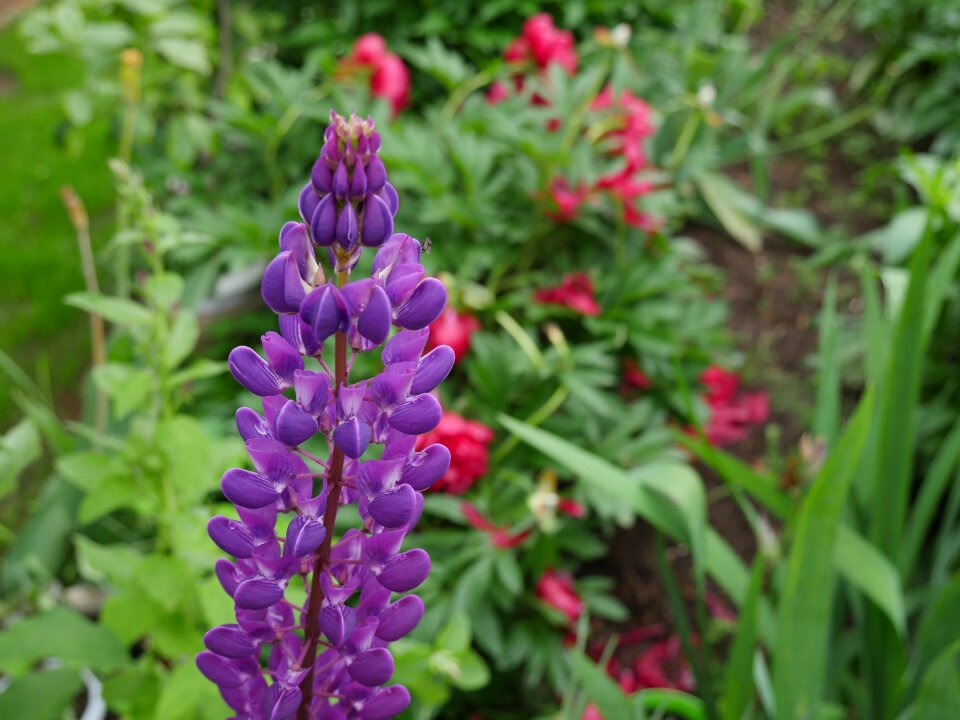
453, 329
556, 590
571, 508
497, 93
468, 442
732, 413
575, 291
389, 77
567, 199
633, 377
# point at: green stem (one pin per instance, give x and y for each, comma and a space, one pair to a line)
552, 404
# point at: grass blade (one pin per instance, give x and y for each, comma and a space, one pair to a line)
807, 596
826, 415
738, 680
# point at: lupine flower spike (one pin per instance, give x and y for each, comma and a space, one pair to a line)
329, 659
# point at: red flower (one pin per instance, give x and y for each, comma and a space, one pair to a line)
567, 199
468, 442
497, 93
556, 590
732, 413
453, 329
500, 536
543, 44
634, 377
389, 77
575, 291
571, 508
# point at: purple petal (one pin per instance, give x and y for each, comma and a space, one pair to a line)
386, 704
417, 415
324, 311
402, 281
424, 306
372, 667
323, 223
341, 181
253, 372
282, 356
376, 174
259, 592
307, 202
400, 618
405, 572
230, 536
335, 623
389, 195
405, 346
434, 367
377, 222
374, 320
287, 702
294, 424
394, 508
353, 437
392, 386
248, 489
304, 536
358, 181
398, 250
346, 231
312, 390
350, 399
220, 670
229, 641
426, 467
321, 176
226, 573
250, 424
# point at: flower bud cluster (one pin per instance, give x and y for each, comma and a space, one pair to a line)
329, 659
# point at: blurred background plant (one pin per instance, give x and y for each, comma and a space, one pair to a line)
664, 227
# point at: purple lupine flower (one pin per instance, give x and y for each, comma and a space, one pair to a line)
329, 660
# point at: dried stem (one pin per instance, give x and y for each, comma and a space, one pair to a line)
98, 343
322, 557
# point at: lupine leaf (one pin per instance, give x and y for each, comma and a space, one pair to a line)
118, 311
41, 696
60, 633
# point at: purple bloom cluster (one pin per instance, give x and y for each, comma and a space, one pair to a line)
267, 664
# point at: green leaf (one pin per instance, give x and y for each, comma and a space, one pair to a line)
599, 688
673, 702
60, 633
738, 679
183, 338
444, 65
87, 469
509, 572
455, 635
719, 197
130, 614
807, 595
79, 110
939, 695
111, 493
188, 695
939, 624
112, 563
187, 54
43, 695
826, 414
164, 289
472, 672
118, 311
191, 461
127, 386
197, 370
866, 568
19, 447
162, 580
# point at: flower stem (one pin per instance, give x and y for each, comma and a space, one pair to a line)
322, 556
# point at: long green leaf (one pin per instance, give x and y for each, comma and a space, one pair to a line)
720, 198
869, 570
826, 415
738, 680
807, 595
600, 688
935, 484
939, 694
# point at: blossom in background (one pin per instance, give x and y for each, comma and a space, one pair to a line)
575, 291
633, 377
540, 45
732, 413
389, 77
455, 330
566, 199
556, 590
626, 141
500, 535
469, 444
